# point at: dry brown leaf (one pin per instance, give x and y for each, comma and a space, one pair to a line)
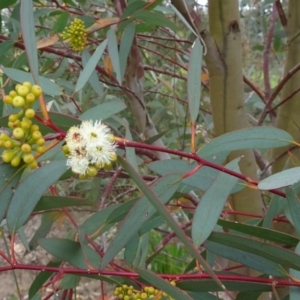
108, 65
204, 76
102, 23
47, 41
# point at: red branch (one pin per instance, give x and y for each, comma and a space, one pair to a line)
195, 276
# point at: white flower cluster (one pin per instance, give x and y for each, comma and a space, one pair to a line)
89, 147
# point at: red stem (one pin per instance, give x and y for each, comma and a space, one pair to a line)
196, 276
195, 157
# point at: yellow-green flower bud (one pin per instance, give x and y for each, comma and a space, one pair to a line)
18, 101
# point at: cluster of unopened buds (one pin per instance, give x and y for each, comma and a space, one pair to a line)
25, 139
89, 148
126, 292
76, 35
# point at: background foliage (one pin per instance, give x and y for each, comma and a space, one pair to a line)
204, 102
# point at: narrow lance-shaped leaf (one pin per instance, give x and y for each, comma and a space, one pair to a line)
125, 46
295, 291
114, 53
48, 86
294, 206
29, 192
90, 66
284, 178
9, 179
248, 138
277, 254
103, 111
139, 214
161, 209
93, 80
194, 80
28, 33
248, 259
71, 252
212, 203
163, 285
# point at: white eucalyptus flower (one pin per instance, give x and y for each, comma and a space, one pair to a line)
89, 144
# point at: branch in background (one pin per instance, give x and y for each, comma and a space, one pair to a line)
266, 52
277, 90
281, 14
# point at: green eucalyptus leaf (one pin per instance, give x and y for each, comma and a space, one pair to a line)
40, 279
71, 252
248, 138
284, 178
294, 207
90, 66
295, 291
125, 47
112, 46
29, 192
194, 80
103, 111
140, 213
28, 33
248, 259
93, 80
212, 203
10, 177
47, 85
163, 285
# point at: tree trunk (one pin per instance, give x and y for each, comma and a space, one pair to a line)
224, 63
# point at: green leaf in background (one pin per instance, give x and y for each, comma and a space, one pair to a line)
212, 203
273, 210
113, 53
48, 86
70, 281
93, 80
248, 259
163, 285
262, 233
279, 255
54, 202
157, 205
5, 46
29, 192
125, 46
47, 221
284, 178
294, 207
130, 151
28, 33
10, 177
103, 111
201, 180
248, 138
61, 22
194, 80
154, 18
71, 252
248, 295
40, 279
132, 7
97, 220
208, 285
164, 188
295, 291
131, 249
7, 3
90, 66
